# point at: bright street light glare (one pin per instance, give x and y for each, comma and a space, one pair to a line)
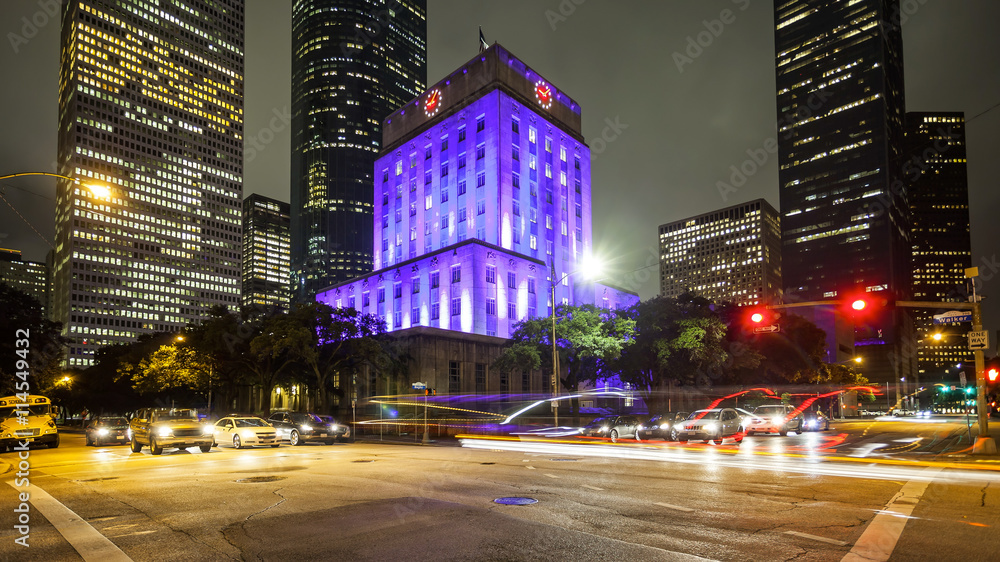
591, 267
100, 191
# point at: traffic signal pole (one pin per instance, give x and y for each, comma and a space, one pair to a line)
985, 444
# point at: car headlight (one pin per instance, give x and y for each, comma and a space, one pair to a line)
102, 431
208, 429
641, 428
664, 426
604, 429
164, 431
307, 428
778, 420
711, 427
333, 427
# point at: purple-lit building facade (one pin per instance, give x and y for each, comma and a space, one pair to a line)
482, 189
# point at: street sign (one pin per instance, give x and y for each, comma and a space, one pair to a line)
766, 329
979, 340
953, 316
419, 385
961, 379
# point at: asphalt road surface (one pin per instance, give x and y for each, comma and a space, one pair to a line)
863, 491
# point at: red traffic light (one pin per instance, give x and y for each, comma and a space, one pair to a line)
859, 304
757, 317
992, 373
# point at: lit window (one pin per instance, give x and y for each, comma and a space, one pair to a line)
491, 274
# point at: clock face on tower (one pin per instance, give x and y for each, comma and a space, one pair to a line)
543, 93
432, 103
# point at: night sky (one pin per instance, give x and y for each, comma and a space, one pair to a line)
671, 128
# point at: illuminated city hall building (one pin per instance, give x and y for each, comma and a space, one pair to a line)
266, 242
482, 191
353, 63
151, 109
730, 255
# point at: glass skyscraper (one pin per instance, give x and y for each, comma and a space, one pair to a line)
353, 63
936, 175
151, 109
845, 226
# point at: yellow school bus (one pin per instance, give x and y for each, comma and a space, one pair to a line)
27, 419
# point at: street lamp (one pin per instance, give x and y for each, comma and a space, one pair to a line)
590, 267
94, 188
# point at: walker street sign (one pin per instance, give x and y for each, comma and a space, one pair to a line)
953, 316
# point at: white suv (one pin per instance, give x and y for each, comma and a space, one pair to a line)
776, 418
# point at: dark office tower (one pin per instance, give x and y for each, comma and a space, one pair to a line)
26, 276
266, 246
353, 63
151, 127
839, 69
935, 173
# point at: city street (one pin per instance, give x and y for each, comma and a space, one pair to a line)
810, 497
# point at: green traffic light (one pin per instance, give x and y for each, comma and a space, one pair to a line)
969, 390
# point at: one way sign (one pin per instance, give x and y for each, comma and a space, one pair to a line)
979, 340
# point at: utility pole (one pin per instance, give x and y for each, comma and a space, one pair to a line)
984, 445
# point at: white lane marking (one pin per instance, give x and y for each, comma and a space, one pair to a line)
551, 476
86, 540
529, 467
675, 507
816, 538
592, 487
880, 538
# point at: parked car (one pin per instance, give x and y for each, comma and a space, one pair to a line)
661, 426
245, 431
161, 428
299, 428
712, 425
776, 418
107, 429
612, 427
815, 421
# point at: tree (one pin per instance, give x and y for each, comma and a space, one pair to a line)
328, 341
169, 367
31, 343
586, 336
795, 354
270, 351
677, 342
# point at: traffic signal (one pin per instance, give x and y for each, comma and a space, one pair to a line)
992, 373
430, 392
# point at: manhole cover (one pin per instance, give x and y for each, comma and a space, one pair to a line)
487, 463
364, 460
257, 479
515, 501
99, 479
